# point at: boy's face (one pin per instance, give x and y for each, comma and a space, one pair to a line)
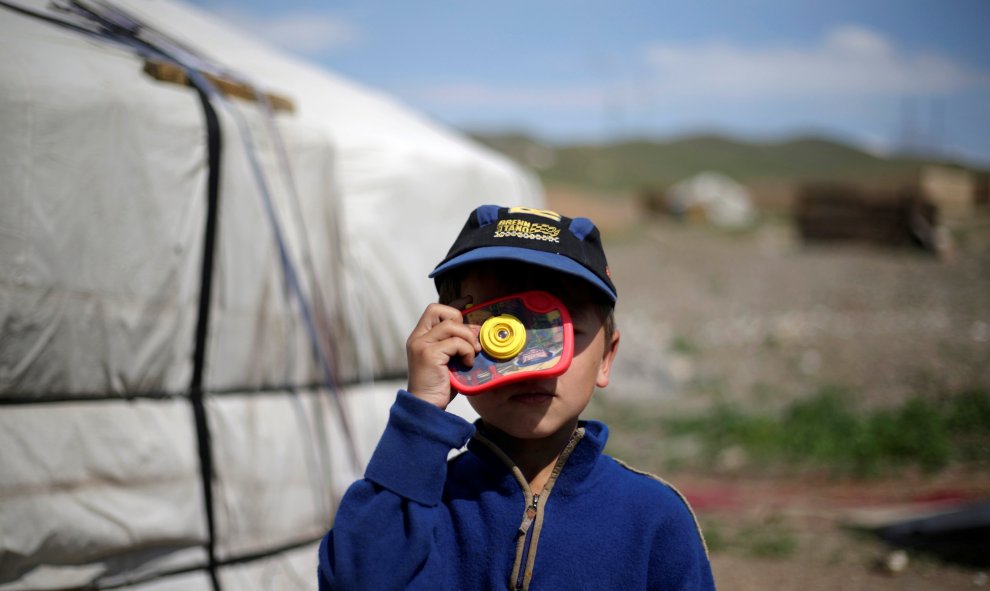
538, 408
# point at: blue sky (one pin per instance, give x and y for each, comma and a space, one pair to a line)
883, 74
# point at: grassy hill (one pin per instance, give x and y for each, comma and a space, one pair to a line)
636, 164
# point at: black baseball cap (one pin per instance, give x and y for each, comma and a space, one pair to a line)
534, 236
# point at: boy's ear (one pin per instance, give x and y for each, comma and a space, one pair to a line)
605, 369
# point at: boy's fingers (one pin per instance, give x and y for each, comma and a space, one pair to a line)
438, 325
441, 350
436, 314
443, 331
460, 348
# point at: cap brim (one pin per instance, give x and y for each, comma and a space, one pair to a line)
556, 262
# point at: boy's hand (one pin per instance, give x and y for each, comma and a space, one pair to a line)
440, 336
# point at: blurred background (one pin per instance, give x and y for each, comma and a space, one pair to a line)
795, 199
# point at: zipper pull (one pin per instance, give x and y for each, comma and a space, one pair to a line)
529, 516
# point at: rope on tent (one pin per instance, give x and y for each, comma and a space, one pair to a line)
246, 558
25, 398
322, 317
292, 279
196, 397
48, 18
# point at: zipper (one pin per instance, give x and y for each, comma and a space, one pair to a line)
525, 529
531, 515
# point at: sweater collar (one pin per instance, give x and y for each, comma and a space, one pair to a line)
574, 471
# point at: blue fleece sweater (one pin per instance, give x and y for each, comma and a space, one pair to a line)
418, 521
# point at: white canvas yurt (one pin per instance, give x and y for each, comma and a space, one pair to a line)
713, 196
211, 254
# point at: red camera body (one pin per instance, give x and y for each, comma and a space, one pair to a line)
524, 336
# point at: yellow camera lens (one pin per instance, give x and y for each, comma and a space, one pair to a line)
503, 337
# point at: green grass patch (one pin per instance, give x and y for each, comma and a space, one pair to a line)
828, 430
634, 164
773, 539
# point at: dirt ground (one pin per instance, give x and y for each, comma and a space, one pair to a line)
809, 533
760, 319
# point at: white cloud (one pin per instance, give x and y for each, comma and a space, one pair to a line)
308, 33
849, 61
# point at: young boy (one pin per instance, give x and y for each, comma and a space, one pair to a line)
533, 503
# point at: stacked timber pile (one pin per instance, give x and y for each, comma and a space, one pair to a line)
841, 212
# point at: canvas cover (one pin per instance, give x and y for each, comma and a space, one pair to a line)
328, 217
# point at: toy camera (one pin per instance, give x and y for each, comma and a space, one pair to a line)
523, 337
